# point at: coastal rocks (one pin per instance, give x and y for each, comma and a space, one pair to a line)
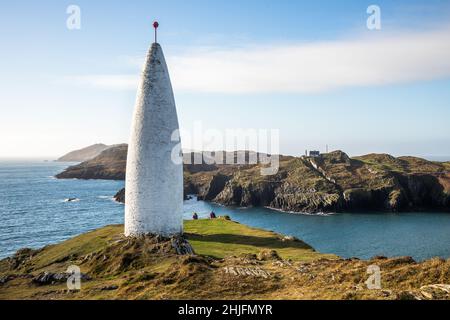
369, 199
151, 243
214, 187
181, 245
4, 279
21, 258
310, 203
47, 278
397, 200
290, 239
231, 195
436, 291
247, 272
266, 255
109, 288
236, 194
189, 189
135, 252
427, 292
120, 196
424, 191
408, 295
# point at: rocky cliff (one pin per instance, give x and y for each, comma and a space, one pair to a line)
333, 182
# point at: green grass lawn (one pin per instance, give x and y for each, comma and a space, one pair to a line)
220, 238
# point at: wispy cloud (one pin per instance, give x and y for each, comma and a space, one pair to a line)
305, 68
115, 81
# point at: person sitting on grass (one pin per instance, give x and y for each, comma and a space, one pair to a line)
212, 215
195, 216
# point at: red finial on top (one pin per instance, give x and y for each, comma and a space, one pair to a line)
156, 25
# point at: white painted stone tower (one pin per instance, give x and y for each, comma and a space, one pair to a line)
154, 182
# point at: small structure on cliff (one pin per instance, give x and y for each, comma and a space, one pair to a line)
154, 173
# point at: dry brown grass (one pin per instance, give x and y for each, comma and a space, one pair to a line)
232, 261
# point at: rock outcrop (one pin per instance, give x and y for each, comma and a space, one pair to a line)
120, 196
46, 278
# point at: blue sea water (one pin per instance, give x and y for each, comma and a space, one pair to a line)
34, 212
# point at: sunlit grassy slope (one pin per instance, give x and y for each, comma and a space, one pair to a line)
232, 261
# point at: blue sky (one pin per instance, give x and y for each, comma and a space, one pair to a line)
310, 69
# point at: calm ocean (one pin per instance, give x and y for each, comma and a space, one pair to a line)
34, 212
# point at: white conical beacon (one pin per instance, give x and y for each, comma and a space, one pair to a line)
154, 175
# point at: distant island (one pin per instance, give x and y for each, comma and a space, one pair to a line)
331, 182
84, 154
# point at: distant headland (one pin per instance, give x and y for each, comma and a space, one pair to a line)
84, 154
331, 182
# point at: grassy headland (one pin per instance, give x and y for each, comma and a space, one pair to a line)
231, 261
333, 182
